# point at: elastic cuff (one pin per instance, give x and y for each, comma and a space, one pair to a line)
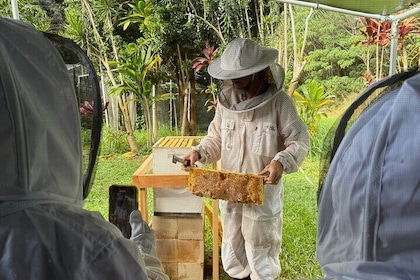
282, 162
199, 155
197, 150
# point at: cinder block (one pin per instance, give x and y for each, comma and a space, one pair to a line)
171, 269
173, 227
184, 271
191, 228
180, 251
167, 250
190, 271
165, 227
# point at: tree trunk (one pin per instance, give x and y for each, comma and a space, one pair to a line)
184, 109
298, 60
155, 123
188, 123
122, 102
297, 73
259, 12
285, 59
248, 24
127, 123
404, 57
186, 88
193, 115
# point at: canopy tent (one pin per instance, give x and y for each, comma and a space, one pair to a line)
391, 10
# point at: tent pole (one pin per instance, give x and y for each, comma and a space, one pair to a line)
394, 36
15, 9
394, 45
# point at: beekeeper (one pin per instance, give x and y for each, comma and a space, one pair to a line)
44, 232
256, 129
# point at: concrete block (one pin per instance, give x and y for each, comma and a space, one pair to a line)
184, 271
180, 251
165, 227
174, 227
191, 228
190, 271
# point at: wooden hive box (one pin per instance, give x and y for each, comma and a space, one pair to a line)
174, 200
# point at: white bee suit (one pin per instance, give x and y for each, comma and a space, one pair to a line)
247, 136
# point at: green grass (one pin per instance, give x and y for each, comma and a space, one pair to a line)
299, 224
110, 170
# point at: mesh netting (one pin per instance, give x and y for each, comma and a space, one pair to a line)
85, 80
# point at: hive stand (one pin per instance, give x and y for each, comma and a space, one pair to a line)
179, 240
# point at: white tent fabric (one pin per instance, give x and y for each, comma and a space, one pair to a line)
391, 10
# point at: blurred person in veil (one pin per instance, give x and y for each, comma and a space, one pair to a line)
44, 231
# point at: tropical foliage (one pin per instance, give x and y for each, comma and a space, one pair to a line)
139, 60
313, 102
200, 63
342, 53
377, 34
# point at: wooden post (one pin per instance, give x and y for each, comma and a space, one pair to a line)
215, 228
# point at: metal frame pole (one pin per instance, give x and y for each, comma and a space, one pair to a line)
15, 9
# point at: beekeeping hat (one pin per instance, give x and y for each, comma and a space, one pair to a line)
241, 58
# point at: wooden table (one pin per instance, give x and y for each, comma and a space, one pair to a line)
144, 179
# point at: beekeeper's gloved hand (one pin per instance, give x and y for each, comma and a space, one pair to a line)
141, 234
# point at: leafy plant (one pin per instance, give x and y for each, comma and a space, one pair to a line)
141, 13
378, 33
92, 25
135, 70
198, 63
113, 142
313, 102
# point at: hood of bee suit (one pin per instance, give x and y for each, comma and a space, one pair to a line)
40, 147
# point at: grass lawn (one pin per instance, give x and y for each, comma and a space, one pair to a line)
111, 170
299, 227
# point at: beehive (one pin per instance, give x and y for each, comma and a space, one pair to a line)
174, 200
178, 220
